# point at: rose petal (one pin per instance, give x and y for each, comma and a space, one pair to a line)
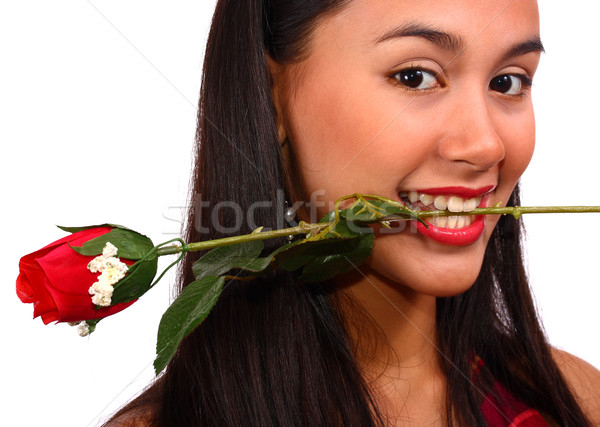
50, 302
24, 289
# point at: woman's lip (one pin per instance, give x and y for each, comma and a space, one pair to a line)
464, 192
459, 236
454, 237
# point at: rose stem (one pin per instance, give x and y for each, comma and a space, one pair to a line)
302, 228
515, 211
306, 228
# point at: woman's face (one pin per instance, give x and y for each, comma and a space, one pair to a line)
424, 101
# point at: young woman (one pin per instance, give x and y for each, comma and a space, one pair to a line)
425, 102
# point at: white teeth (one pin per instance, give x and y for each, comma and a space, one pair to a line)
471, 204
426, 199
452, 220
413, 196
441, 221
440, 203
455, 204
451, 203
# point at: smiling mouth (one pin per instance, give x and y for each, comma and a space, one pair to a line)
427, 202
447, 199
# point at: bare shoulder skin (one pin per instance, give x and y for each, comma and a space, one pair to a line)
584, 380
140, 417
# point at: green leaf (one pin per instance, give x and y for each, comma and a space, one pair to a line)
303, 252
137, 281
346, 230
257, 265
372, 210
130, 244
92, 324
244, 256
221, 260
265, 264
328, 217
323, 259
341, 257
87, 227
187, 312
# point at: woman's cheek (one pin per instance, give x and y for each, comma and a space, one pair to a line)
519, 141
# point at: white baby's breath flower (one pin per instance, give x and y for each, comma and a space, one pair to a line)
83, 329
112, 275
117, 264
112, 270
101, 287
109, 250
101, 292
96, 264
101, 300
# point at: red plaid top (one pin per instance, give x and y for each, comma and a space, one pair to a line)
501, 409
509, 412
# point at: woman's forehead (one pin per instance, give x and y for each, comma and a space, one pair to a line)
368, 21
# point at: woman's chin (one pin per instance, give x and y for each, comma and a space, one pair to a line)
439, 276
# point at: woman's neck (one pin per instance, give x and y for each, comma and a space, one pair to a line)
404, 318
396, 347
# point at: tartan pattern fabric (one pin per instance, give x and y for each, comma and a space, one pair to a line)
501, 409
505, 411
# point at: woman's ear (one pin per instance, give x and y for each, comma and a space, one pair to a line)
275, 71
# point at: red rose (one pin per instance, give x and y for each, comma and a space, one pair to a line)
57, 281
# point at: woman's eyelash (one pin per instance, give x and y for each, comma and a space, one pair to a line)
511, 84
527, 81
413, 77
422, 79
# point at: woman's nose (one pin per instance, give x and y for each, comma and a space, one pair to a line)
470, 136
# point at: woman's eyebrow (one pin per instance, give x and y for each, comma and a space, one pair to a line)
453, 43
445, 41
534, 44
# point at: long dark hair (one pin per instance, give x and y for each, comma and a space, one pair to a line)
273, 352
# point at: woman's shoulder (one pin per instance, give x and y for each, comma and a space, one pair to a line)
135, 418
142, 411
584, 380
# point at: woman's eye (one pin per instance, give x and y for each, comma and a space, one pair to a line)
418, 79
510, 84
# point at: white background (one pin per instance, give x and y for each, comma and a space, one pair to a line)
97, 120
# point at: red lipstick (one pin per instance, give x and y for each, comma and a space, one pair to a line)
454, 237
457, 236
467, 193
